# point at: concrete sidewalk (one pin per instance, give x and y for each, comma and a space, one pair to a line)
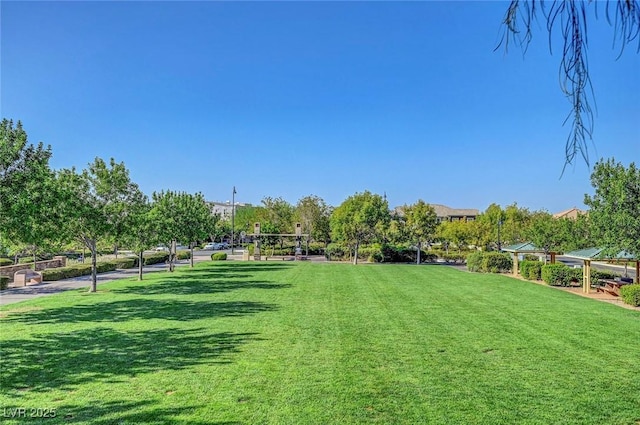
17, 294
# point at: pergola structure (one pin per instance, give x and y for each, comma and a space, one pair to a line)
526, 248
596, 254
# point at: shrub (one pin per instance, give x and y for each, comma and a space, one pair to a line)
183, 255
219, 256
556, 274
155, 258
126, 263
530, 269
455, 257
337, 252
4, 282
631, 294
6, 262
496, 262
474, 261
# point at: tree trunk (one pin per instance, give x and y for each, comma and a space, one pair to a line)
191, 259
140, 264
94, 266
172, 255
355, 256
418, 259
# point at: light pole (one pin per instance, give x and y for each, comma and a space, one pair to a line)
233, 217
499, 225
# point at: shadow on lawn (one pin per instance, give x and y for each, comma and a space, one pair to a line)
120, 311
202, 284
124, 412
65, 360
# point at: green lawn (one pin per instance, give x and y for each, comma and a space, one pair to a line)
302, 343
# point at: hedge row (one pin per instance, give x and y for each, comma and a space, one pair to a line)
489, 262
559, 274
4, 282
377, 253
6, 262
219, 256
76, 270
531, 269
314, 249
631, 294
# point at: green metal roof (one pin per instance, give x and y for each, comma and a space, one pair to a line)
522, 247
598, 254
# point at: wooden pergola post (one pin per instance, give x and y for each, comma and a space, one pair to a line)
553, 257
637, 271
586, 276
515, 263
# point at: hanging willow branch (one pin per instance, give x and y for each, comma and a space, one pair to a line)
570, 16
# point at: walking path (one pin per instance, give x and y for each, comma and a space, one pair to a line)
22, 293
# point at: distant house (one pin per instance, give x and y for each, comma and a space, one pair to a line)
224, 209
571, 213
445, 213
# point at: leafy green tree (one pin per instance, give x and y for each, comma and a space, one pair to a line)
28, 203
546, 232
459, 233
94, 202
279, 213
361, 218
142, 233
515, 224
489, 227
180, 216
615, 207
421, 223
313, 213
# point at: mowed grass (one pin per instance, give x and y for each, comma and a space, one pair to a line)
302, 343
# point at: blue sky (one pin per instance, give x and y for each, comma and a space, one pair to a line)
327, 98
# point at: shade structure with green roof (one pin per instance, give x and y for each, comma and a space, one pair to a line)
525, 248
594, 254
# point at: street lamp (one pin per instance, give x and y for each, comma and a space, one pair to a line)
233, 217
499, 225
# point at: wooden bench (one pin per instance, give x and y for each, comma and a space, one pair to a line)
611, 286
23, 277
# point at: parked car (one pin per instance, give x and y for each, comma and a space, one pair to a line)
161, 248
210, 246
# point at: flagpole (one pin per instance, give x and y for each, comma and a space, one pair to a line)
233, 218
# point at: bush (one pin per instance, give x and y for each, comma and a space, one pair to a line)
183, 255
219, 256
556, 274
631, 294
77, 270
496, 262
530, 269
489, 262
474, 261
155, 258
126, 263
337, 252
6, 262
4, 282
455, 257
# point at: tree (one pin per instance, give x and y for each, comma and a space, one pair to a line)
615, 207
575, 81
361, 218
459, 232
279, 213
313, 213
421, 223
181, 216
546, 232
489, 226
142, 233
27, 201
94, 202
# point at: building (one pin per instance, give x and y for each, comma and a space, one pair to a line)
445, 213
571, 213
224, 209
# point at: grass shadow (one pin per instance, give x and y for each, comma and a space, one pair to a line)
141, 309
67, 359
125, 412
203, 284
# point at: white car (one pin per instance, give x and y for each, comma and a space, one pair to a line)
210, 246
